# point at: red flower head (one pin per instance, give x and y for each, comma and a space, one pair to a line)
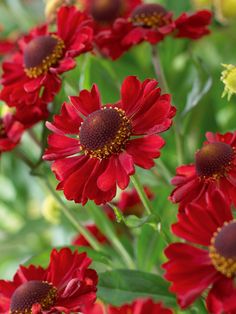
107, 141
93, 229
130, 202
33, 71
214, 168
11, 131
66, 285
139, 306
193, 269
151, 22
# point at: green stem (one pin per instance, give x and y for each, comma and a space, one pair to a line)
164, 171
164, 86
123, 252
24, 158
158, 69
78, 226
34, 138
139, 188
178, 142
108, 229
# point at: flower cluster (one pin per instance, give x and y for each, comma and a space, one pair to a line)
205, 192
32, 72
95, 148
151, 23
214, 169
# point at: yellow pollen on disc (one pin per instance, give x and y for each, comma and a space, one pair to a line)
109, 145
47, 62
151, 21
225, 265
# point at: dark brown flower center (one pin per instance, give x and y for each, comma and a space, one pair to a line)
214, 159
41, 53
106, 11
2, 129
223, 249
149, 16
30, 293
104, 132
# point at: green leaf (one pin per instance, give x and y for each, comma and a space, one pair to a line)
133, 221
123, 286
150, 246
201, 85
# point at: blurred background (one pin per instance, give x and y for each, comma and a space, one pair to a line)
30, 220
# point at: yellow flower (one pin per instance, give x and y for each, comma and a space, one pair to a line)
228, 8
225, 10
51, 210
228, 77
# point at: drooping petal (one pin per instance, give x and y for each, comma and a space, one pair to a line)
190, 271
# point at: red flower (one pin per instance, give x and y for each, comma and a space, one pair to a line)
107, 15
139, 306
66, 285
11, 131
214, 168
110, 42
93, 229
33, 72
130, 203
193, 269
103, 151
152, 23
193, 26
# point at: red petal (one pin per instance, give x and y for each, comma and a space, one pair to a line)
87, 102
130, 93
144, 150
190, 271
107, 180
